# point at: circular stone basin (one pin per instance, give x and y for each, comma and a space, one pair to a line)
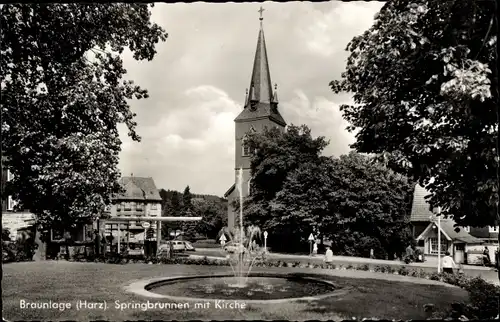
261, 287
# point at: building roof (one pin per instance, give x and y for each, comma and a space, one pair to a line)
230, 190
449, 231
447, 226
138, 188
261, 102
420, 209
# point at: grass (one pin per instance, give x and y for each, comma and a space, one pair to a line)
97, 282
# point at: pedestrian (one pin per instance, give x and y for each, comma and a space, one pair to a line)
372, 254
410, 253
315, 249
328, 256
448, 264
486, 256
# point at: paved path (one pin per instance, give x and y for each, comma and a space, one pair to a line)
487, 273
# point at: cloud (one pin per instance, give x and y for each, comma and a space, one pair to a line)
323, 117
194, 142
198, 78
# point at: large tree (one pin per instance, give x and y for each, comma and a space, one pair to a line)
63, 94
425, 85
173, 209
213, 214
370, 207
275, 155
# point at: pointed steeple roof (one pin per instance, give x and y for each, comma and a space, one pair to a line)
260, 84
261, 102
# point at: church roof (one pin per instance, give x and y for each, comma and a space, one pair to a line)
261, 102
138, 188
262, 110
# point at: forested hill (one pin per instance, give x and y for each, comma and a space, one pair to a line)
167, 195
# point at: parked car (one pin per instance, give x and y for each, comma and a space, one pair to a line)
179, 245
233, 247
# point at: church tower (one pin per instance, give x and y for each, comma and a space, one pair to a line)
260, 111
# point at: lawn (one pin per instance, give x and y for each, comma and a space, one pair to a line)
70, 282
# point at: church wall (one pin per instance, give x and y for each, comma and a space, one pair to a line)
241, 129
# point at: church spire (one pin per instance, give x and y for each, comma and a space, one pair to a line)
260, 84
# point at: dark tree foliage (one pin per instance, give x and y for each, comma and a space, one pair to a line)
63, 94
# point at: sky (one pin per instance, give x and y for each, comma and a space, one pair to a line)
197, 83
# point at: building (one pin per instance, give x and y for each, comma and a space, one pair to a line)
466, 244
15, 220
139, 199
260, 111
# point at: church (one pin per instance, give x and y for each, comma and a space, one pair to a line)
260, 111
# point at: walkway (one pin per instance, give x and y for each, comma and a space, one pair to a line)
487, 273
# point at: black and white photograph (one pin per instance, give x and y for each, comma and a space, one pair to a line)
301, 160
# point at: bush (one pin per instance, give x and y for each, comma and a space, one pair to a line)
484, 296
18, 251
434, 276
403, 271
364, 267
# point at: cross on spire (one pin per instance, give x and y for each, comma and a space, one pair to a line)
261, 10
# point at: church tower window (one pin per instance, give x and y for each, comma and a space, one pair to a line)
245, 147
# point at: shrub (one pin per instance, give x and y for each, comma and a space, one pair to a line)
403, 271
379, 269
18, 251
364, 267
349, 266
434, 276
484, 296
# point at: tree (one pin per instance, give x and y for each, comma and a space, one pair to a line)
276, 155
187, 204
302, 205
370, 207
426, 99
213, 214
172, 209
189, 228
353, 202
63, 94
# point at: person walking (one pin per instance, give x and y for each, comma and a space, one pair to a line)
328, 256
448, 264
315, 248
486, 256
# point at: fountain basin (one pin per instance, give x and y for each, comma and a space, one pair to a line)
260, 288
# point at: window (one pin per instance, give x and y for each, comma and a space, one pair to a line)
154, 206
433, 246
493, 229
127, 206
138, 206
132, 205
246, 149
11, 203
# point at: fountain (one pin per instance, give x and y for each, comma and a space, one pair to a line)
242, 284
245, 251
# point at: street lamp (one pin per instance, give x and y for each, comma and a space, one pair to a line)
434, 218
